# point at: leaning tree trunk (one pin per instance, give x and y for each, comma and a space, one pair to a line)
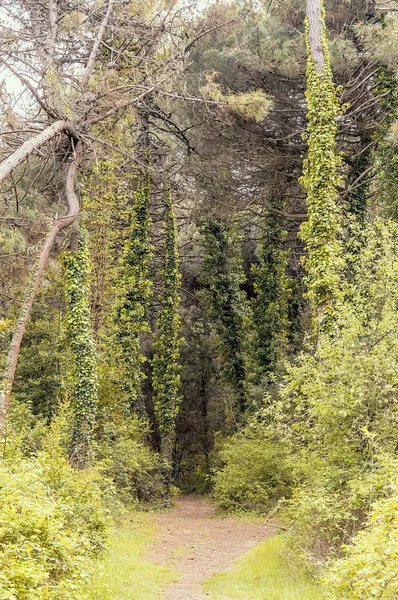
37, 273
28, 147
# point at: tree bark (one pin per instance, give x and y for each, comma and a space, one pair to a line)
167, 455
315, 33
93, 55
52, 33
37, 274
27, 148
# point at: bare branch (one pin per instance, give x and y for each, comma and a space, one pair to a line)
90, 64
32, 90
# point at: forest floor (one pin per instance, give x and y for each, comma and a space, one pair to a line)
197, 544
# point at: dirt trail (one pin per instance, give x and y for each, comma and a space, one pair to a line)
198, 544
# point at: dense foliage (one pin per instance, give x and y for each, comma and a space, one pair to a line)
53, 521
131, 320
226, 320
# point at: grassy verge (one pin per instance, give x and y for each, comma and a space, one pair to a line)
124, 573
264, 574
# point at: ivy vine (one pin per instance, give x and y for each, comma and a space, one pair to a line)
222, 276
322, 232
79, 334
165, 363
273, 292
135, 292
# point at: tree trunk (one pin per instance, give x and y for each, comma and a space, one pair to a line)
205, 422
18, 157
93, 55
315, 33
167, 455
15, 346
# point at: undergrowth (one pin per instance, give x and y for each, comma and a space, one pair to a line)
124, 573
264, 573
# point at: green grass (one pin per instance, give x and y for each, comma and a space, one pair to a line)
264, 574
124, 573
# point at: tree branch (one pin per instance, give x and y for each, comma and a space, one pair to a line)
32, 90
93, 55
17, 157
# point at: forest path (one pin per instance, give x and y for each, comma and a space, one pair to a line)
198, 544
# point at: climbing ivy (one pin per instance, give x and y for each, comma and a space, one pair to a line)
80, 338
165, 363
222, 276
358, 197
273, 291
135, 292
322, 232
105, 195
386, 156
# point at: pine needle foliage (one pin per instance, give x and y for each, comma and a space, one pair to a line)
80, 337
254, 104
136, 291
322, 232
165, 363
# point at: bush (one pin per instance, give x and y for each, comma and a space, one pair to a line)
254, 472
336, 413
369, 568
135, 470
52, 518
51, 525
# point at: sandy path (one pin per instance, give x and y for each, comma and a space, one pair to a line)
198, 544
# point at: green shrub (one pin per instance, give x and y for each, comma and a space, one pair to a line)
254, 473
328, 440
52, 518
369, 568
51, 525
337, 408
136, 471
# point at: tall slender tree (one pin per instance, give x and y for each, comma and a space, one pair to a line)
322, 231
81, 341
166, 367
133, 306
270, 305
222, 276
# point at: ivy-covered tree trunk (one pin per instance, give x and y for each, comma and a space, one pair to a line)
322, 232
270, 305
136, 291
222, 276
81, 341
386, 156
166, 366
